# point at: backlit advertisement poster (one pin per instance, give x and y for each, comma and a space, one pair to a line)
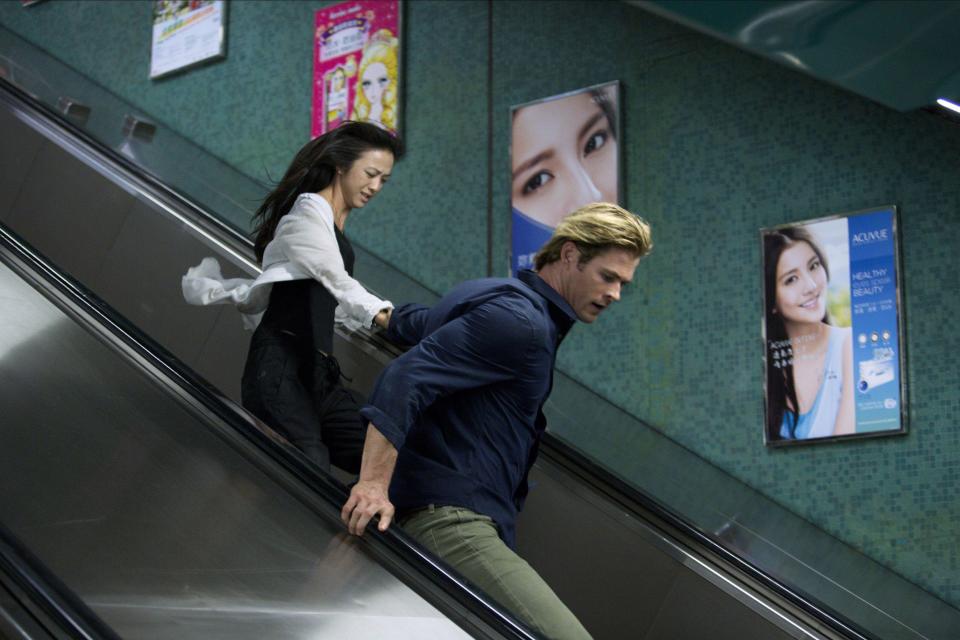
186, 33
356, 65
833, 344
563, 154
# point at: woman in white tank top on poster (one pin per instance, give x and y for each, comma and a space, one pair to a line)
809, 362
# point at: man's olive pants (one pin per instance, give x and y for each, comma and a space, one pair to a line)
468, 542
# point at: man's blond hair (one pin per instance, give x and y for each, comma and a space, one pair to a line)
595, 228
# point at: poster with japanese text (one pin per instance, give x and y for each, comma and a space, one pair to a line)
356, 65
833, 349
564, 154
186, 33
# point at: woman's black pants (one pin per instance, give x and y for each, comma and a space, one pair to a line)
298, 393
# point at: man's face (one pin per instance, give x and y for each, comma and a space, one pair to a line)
592, 287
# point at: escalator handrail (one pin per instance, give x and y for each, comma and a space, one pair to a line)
640, 504
47, 592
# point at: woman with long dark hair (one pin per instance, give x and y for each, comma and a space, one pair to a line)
809, 361
291, 380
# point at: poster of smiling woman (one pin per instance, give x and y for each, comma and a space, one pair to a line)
563, 154
833, 349
357, 65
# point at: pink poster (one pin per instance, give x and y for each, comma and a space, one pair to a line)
356, 65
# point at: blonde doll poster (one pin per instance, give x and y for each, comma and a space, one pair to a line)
356, 65
832, 329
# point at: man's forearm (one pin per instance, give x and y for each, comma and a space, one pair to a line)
379, 458
370, 496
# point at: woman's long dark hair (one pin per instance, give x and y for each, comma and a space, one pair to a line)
781, 387
313, 169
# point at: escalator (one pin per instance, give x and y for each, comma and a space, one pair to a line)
164, 512
628, 564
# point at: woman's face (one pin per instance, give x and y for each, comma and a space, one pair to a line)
564, 156
369, 172
801, 285
374, 82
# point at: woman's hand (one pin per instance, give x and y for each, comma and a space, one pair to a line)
382, 319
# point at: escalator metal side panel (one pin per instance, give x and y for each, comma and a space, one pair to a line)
122, 491
636, 577
19, 620
20, 146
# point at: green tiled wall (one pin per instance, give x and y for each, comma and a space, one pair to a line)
716, 144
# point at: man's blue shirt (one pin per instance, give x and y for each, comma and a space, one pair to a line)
464, 405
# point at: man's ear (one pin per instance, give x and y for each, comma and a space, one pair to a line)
569, 254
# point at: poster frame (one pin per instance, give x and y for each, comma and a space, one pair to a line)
619, 120
221, 53
319, 106
900, 315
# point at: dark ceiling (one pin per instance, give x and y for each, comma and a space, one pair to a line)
904, 55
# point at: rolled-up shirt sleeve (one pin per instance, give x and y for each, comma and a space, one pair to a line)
408, 323
489, 344
308, 241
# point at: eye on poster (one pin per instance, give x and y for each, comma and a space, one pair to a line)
356, 70
186, 33
833, 344
564, 154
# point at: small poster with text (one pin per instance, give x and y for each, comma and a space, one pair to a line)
186, 33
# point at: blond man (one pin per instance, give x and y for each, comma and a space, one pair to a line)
455, 422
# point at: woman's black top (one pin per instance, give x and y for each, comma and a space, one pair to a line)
304, 309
